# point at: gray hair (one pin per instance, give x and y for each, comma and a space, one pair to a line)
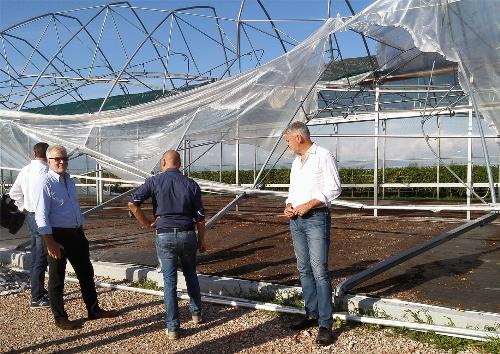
59, 148
299, 128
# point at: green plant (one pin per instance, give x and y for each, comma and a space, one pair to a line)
451, 344
146, 284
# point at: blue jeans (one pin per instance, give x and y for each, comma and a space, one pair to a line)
38, 260
170, 247
311, 241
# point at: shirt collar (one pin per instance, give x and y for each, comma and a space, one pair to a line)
57, 175
39, 162
312, 149
173, 169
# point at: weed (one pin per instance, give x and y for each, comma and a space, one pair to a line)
146, 284
289, 298
451, 344
416, 317
450, 322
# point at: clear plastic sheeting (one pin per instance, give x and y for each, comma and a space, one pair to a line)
257, 105
466, 32
129, 142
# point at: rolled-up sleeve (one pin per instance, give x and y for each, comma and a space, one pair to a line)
331, 187
198, 205
142, 193
42, 207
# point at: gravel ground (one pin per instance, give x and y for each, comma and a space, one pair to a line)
140, 329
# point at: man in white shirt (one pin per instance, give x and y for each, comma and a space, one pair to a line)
314, 183
23, 192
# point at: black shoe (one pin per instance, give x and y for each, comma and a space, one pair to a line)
65, 324
40, 304
100, 313
325, 336
303, 323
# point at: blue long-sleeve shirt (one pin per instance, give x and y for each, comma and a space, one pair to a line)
56, 203
176, 199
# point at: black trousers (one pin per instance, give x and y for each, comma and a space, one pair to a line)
76, 251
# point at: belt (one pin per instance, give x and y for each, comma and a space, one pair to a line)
174, 229
315, 210
67, 229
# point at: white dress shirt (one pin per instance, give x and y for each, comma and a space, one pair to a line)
23, 189
315, 178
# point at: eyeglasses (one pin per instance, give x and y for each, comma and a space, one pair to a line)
59, 159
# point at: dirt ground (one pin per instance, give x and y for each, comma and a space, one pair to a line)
255, 243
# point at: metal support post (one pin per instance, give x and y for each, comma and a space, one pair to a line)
375, 156
469, 161
438, 169
184, 156
384, 122
220, 163
189, 157
99, 183
237, 159
254, 163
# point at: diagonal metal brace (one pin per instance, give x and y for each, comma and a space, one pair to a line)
391, 262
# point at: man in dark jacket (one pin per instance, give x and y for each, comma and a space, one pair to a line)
178, 208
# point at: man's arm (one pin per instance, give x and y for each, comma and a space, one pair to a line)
139, 215
42, 209
16, 191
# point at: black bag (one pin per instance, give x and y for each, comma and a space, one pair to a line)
10, 217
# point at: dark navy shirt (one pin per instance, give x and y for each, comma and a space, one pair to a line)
176, 199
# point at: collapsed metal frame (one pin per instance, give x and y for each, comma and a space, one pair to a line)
116, 78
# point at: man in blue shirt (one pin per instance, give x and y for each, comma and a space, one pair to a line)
59, 220
177, 209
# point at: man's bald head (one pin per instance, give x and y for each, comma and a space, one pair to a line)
170, 159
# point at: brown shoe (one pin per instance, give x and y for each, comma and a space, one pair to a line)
67, 325
100, 313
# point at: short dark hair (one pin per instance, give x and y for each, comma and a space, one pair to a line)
40, 149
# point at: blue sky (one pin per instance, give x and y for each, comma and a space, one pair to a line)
15, 11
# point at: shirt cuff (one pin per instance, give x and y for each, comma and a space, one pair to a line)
200, 215
321, 197
45, 230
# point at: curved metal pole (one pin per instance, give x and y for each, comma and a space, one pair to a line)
186, 43
374, 67
55, 68
54, 57
135, 53
272, 24
152, 43
238, 39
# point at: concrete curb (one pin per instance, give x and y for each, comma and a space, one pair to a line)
392, 309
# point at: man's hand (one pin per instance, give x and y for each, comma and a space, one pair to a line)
153, 224
289, 211
53, 248
139, 215
302, 209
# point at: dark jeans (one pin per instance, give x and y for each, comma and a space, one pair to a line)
38, 260
76, 251
170, 247
311, 241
